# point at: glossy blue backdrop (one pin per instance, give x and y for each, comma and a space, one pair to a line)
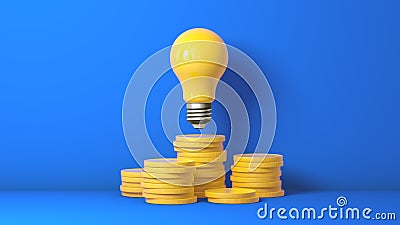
334, 68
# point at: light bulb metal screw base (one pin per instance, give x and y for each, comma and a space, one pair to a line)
198, 114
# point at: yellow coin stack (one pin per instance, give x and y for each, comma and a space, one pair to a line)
231, 196
260, 172
208, 152
131, 183
168, 181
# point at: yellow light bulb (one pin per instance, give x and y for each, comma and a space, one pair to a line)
199, 58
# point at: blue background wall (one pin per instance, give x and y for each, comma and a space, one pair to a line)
333, 66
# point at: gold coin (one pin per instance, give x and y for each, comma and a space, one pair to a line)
257, 185
271, 194
197, 145
202, 155
152, 170
210, 166
132, 195
176, 201
209, 179
276, 173
258, 164
204, 175
129, 189
258, 157
255, 180
135, 172
168, 175
209, 174
202, 189
234, 200
166, 196
251, 170
131, 179
208, 183
207, 188
268, 189
215, 179
157, 186
207, 164
200, 138
221, 158
168, 163
199, 149
166, 180
131, 185
230, 193
205, 170
200, 195
169, 181
169, 191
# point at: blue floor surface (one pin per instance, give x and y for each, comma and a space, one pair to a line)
108, 207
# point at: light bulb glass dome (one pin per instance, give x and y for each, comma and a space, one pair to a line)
199, 58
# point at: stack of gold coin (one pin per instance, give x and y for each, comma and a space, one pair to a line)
260, 172
131, 183
168, 181
231, 196
208, 152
